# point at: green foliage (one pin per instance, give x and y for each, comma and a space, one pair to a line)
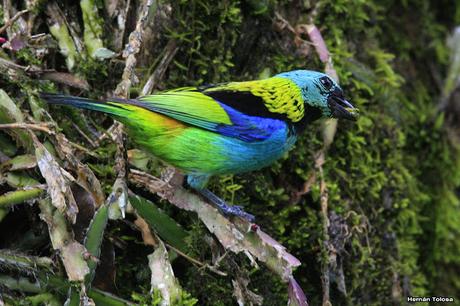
164, 225
154, 299
93, 70
28, 57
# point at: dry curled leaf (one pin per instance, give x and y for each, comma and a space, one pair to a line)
57, 180
147, 236
163, 278
296, 295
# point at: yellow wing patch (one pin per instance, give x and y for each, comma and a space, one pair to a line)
280, 95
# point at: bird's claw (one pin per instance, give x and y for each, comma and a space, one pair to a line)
236, 210
224, 207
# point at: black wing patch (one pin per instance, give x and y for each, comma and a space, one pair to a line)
244, 102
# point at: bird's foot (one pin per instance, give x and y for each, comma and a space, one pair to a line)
236, 210
226, 209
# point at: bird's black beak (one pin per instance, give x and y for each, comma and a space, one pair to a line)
341, 108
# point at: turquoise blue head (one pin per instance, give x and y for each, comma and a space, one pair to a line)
320, 92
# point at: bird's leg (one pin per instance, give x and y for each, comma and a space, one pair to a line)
224, 207
198, 182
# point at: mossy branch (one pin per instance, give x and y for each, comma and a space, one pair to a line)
162, 276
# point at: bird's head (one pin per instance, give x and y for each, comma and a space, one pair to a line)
322, 92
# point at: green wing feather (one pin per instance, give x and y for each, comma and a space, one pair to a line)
187, 105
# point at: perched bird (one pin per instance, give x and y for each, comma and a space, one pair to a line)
225, 128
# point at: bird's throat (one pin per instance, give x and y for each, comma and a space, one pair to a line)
311, 114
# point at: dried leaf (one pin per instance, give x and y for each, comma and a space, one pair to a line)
237, 236
86, 177
329, 129
296, 295
243, 294
74, 262
317, 39
58, 183
71, 252
147, 236
163, 278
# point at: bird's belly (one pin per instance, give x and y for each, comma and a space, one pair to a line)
197, 151
241, 156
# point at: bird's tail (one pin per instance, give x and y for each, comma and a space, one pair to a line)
112, 108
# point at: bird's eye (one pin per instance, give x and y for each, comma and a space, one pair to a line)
327, 82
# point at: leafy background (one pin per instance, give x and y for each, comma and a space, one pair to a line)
392, 177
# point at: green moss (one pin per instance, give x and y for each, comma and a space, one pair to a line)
94, 71
208, 33
154, 299
376, 170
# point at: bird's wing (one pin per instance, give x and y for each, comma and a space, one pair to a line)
187, 105
250, 111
